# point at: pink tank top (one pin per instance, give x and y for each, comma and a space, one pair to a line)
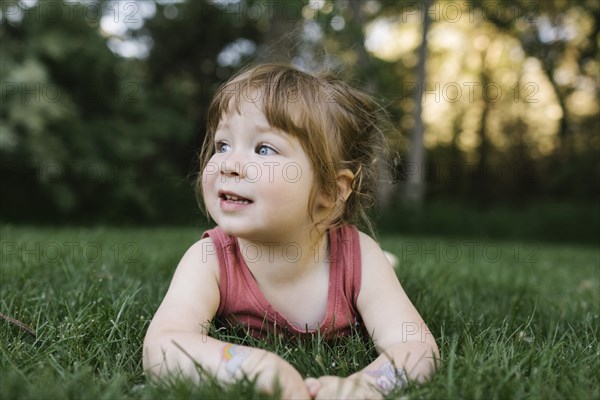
242, 302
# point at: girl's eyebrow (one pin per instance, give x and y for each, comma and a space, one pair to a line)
261, 129
278, 133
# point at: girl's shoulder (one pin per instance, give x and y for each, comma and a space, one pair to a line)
350, 235
368, 245
194, 291
373, 253
200, 261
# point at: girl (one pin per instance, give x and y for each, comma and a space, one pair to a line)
290, 160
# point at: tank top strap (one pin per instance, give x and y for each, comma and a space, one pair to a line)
225, 250
346, 258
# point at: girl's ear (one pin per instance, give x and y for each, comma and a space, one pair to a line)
345, 177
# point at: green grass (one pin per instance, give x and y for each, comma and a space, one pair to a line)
512, 319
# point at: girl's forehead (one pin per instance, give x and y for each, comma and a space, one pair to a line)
248, 112
258, 108
245, 115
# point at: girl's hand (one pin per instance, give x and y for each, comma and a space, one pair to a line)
271, 370
334, 387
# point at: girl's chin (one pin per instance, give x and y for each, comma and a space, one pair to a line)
238, 230
254, 234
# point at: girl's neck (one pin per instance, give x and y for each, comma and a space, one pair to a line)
284, 262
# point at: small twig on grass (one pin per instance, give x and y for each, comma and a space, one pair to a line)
18, 324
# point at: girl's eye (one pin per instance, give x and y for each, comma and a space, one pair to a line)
265, 150
221, 147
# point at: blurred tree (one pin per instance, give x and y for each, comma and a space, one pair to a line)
415, 191
90, 136
58, 88
87, 134
564, 37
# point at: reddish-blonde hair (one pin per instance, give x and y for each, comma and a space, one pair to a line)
337, 125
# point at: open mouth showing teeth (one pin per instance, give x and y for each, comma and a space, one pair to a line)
235, 199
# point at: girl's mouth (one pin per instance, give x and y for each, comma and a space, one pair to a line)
232, 201
235, 199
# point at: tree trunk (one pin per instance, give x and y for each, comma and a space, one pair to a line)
416, 184
481, 185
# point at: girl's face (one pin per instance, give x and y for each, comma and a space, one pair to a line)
257, 184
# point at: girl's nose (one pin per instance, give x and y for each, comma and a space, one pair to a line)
231, 167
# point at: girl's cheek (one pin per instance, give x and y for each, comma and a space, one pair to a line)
208, 206
205, 178
210, 172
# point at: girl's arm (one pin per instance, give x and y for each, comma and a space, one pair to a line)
177, 341
400, 335
407, 350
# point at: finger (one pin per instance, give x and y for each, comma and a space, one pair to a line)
327, 379
299, 393
312, 385
329, 388
327, 393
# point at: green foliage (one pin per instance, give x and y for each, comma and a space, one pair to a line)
90, 136
87, 135
509, 323
547, 221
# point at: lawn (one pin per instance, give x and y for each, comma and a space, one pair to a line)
512, 319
